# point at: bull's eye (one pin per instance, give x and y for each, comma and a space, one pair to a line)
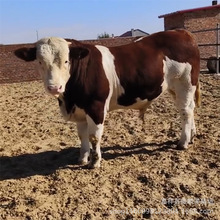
66, 61
39, 62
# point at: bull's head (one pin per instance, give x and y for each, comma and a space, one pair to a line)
53, 60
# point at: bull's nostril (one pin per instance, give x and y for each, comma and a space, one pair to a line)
54, 89
50, 88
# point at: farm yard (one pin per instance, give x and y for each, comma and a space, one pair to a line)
142, 175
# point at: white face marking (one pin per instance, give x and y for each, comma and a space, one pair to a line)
53, 63
115, 87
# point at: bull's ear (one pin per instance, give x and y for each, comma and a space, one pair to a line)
27, 54
78, 52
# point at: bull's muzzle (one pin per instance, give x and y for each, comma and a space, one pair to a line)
54, 90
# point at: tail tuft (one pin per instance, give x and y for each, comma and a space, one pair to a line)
198, 95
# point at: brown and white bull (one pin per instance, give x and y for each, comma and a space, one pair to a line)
91, 80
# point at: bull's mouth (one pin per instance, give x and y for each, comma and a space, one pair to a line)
55, 94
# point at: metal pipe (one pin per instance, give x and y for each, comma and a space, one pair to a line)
217, 49
37, 34
204, 30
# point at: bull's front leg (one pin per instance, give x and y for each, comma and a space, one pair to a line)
95, 133
82, 128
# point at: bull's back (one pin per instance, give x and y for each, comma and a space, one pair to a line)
140, 65
144, 58
178, 45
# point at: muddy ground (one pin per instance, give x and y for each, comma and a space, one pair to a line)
142, 175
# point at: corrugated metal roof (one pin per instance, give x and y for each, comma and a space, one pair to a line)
190, 10
126, 34
129, 33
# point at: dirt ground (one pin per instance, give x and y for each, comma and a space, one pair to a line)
142, 175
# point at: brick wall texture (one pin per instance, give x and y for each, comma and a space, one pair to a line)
194, 21
14, 70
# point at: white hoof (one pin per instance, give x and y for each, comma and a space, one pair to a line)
83, 162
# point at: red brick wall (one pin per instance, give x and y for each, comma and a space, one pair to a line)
110, 42
173, 22
13, 69
198, 20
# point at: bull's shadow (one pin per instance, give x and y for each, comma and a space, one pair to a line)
138, 149
46, 163
43, 163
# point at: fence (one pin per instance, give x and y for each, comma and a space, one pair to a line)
217, 44
14, 70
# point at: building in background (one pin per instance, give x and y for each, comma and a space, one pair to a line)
202, 22
134, 33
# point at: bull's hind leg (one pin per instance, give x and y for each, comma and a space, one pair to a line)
185, 104
193, 129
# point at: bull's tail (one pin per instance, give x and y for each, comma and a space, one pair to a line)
198, 95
